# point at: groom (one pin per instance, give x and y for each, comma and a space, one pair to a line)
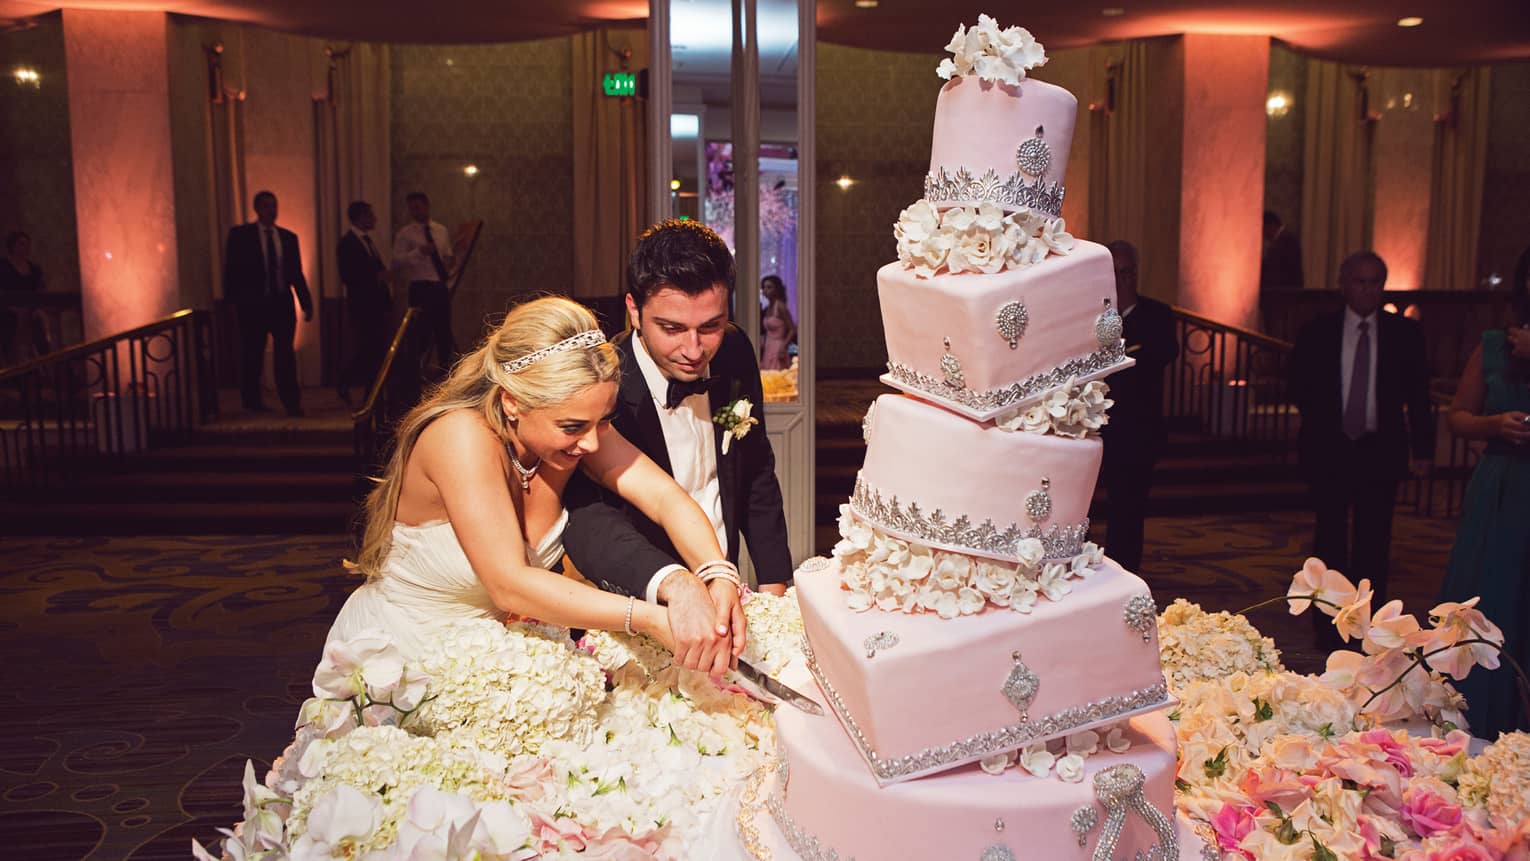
682, 361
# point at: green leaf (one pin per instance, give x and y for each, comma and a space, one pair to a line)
674, 740
1263, 711
1326, 731
1275, 809
1174, 715
1287, 833
1181, 784
1388, 847
1321, 852
1217, 765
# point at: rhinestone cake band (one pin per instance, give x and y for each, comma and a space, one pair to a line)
1003, 740
960, 534
986, 405
1014, 191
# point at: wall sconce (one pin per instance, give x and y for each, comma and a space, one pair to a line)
1277, 105
844, 182
471, 171
674, 185
27, 76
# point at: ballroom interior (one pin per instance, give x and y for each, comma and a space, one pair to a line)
172, 561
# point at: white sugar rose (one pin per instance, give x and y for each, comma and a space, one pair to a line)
1056, 238
1116, 741
1070, 768
1022, 599
1084, 743
1037, 759
922, 243
1054, 582
997, 763
1029, 552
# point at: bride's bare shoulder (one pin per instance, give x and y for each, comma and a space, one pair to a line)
461, 433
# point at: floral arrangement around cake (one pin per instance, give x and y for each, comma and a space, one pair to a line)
982, 239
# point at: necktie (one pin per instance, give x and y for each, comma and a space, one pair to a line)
272, 280
1359, 385
372, 250
435, 256
679, 391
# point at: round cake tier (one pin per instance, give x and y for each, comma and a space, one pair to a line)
830, 807
920, 694
1001, 144
938, 479
985, 344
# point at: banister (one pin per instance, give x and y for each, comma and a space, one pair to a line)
64, 355
1245, 334
383, 371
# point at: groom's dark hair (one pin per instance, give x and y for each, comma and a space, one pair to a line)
685, 255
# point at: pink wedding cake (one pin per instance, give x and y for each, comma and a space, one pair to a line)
992, 683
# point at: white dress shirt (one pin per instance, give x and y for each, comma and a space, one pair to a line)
1347, 365
689, 439
411, 256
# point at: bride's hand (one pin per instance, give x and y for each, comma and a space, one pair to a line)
729, 614
700, 643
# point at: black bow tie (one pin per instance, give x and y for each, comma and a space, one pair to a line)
679, 391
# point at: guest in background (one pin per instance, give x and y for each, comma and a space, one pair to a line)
777, 325
422, 255
367, 301
1134, 436
262, 269
1360, 378
19, 274
1491, 557
1281, 263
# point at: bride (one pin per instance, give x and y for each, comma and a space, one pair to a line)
468, 516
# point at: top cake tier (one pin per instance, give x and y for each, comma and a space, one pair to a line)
999, 143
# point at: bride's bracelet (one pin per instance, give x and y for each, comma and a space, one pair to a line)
627, 624
721, 569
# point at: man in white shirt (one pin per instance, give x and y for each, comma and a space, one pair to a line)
422, 257
682, 363
1354, 376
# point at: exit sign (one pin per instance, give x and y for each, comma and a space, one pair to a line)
620, 84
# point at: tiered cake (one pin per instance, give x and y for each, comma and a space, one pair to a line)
994, 681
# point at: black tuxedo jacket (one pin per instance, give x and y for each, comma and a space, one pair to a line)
1402, 385
615, 546
244, 267
1136, 417
365, 291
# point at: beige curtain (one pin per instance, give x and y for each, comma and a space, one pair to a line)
1337, 180
1118, 150
610, 160
1460, 158
353, 146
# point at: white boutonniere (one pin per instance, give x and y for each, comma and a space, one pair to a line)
735, 420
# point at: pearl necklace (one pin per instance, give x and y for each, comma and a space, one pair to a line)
521, 471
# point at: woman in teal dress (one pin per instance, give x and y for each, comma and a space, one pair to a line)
1491, 556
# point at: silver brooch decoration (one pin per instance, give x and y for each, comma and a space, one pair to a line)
1109, 326
1083, 821
998, 825
1141, 615
809, 566
1119, 790
1011, 321
1039, 504
878, 641
1021, 686
1033, 155
1014, 191
951, 367
997, 852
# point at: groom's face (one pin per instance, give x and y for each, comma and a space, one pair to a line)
681, 331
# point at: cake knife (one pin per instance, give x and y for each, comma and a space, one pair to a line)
765, 688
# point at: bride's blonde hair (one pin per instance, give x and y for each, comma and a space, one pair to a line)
475, 383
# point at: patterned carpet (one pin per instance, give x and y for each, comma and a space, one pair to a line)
143, 672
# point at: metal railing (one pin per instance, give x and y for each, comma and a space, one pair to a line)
396, 388
129, 392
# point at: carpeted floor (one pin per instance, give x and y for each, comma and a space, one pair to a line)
142, 673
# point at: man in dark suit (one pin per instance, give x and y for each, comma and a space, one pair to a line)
682, 362
367, 301
262, 269
1354, 376
1134, 436
1281, 263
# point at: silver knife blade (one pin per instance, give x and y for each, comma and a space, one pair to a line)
774, 691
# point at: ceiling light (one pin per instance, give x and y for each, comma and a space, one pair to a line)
1277, 105
1410, 21
27, 77
674, 185
470, 171
844, 183
1113, 12
865, 4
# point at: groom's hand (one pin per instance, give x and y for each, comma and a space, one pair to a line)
776, 589
730, 614
700, 643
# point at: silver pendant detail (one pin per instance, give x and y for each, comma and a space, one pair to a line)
951, 367
1141, 615
1083, 821
997, 852
1109, 327
998, 825
1033, 156
1021, 686
1011, 321
1039, 503
878, 641
1119, 790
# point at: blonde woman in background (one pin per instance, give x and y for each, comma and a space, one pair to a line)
468, 516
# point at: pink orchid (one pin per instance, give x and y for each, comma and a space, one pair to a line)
1390, 628
1317, 580
1429, 814
1232, 824
614, 844
1453, 623
1354, 618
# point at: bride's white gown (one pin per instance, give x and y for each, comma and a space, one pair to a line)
426, 583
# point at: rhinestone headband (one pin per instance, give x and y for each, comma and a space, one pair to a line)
587, 338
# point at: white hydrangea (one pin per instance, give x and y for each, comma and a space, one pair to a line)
1197, 645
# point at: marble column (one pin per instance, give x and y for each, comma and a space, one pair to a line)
119, 122
1222, 181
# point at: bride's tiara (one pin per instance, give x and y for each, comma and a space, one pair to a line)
587, 338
